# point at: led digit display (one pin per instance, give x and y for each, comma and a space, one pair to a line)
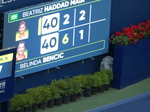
56, 33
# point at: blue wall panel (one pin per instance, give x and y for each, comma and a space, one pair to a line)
128, 12
45, 77
123, 13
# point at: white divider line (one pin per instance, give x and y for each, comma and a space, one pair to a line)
90, 17
73, 27
82, 25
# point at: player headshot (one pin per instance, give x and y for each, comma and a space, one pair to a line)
21, 51
22, 32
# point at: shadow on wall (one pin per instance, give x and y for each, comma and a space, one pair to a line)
89, 65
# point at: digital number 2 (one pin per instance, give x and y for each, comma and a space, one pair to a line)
82, 17
67, 17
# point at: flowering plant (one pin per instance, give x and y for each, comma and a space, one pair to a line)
131, 34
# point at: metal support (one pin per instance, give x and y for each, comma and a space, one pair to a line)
22, 77
47, 70
82, 61
57, 67
92, 58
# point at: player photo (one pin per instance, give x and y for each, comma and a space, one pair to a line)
21, 51
22, 32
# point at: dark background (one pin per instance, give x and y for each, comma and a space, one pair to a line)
123, 13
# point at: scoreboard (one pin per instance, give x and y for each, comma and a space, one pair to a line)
56, 33
7, 71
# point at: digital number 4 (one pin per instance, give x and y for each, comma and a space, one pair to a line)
45, 44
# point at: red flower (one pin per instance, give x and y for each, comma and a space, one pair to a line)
122, 43
113, 35
131, 34
118, 33
124, 29
141, 33
135, 41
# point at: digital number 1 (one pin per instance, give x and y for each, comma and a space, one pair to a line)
81, 34
1, 66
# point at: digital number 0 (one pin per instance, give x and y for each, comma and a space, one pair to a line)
67, 17
52, 42
82, 17
54, 22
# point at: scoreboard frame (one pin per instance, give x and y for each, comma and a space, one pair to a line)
56, 33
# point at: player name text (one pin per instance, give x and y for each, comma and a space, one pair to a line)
53, 57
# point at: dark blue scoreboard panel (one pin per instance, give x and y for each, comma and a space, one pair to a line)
56, 33
6, 65
7, 71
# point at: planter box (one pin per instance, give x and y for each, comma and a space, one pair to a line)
131, 63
